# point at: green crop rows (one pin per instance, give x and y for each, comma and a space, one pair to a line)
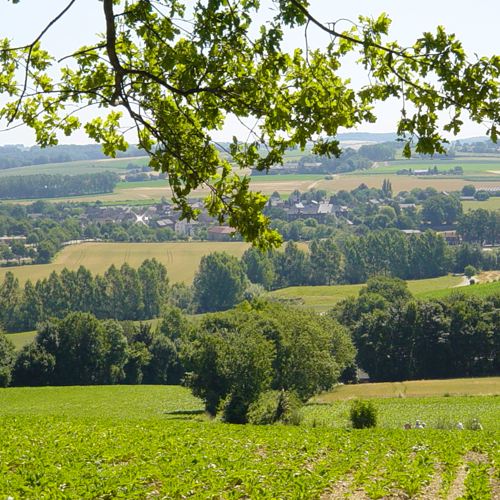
153, 442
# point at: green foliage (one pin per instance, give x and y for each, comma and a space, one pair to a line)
470, 271
7, 358
275, 407
219, 283
363, 414
158, 75
441, 209
123, 294
236, 356
53, 186
408, 339
391, 289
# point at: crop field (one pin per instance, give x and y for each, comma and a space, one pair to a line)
142, 442
322, 298
481, 386
471, 166
401, 182
117, 165
181, 258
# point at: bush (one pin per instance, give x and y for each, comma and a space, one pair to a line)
275, 406
363, 414
470, 271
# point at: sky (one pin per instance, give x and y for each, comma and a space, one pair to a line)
475, 24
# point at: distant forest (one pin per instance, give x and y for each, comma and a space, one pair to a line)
13, 156
53, 186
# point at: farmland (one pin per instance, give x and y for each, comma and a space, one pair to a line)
117, 165
478, 171
155, 442
180, 258
322, 298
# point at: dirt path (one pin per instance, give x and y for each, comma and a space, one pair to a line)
464, 282
457, 489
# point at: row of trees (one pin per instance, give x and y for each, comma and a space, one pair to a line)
400, 338
222, 281
122, 294
82, 350
353, 259
480, 226
56, 185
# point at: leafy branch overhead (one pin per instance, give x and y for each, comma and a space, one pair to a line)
178, 72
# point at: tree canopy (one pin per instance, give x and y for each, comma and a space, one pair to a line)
178, 71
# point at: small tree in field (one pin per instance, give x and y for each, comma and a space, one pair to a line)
470, 271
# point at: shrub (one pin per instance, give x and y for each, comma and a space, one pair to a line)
275, 406
470, 271
363, 414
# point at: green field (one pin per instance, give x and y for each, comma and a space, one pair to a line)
141, 442
181, 258
21, 339
322, 298
471, 166
479, 290
492, 203
117, 165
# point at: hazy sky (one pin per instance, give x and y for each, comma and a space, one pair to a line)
475, 23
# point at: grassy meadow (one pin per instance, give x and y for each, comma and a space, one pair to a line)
322, 298
142, 442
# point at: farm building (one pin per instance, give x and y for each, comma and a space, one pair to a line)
220, 233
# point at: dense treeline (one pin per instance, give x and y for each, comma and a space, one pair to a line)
480, 226
56, 185
353, 259
400, 338
121, 294
12, 156
82, 350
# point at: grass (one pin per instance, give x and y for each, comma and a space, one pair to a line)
21, 339
121, 402
470, 166
484, 386
173, 402
322, 298
492, 203
181, 258
478, 290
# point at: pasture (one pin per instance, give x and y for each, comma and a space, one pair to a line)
322, 298
478, 290
155, 442
180, 258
